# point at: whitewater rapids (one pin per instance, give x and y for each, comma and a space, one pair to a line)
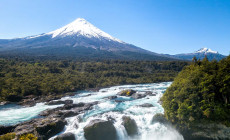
106, 109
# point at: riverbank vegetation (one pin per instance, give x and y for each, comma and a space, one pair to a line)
200, 94
22, 78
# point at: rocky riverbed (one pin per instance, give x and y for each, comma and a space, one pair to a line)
119, 113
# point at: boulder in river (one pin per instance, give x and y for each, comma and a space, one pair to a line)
100, 130
49, 127
112, 97
127, 92
66, 102
150, 93
146, 105
130, 126
160, 118
138, 96
66, 136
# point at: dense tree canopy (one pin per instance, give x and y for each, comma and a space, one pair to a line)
23, 78
200, 92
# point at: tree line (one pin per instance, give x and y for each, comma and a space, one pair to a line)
22, 78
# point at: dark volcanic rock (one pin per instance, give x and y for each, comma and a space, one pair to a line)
68, 110
160, 118
6, 129
112, 97
66, 102
206, 132
128, 92
130, 126
70, 106
146, 105
43, 128
51, 124
65, 136
50, 111
26, 127
138, 96
49, 127
150, 93
100, 130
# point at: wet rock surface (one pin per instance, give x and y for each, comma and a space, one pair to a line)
52, 122
31, 100
138, 96
60, 102
160, 118
128, 92
111, 97
130, 126
146, 105
206, 132
66, 136
150, 93
43, 128
100, 130
49, 127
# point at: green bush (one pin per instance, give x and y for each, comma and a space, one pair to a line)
8, 136
28, 137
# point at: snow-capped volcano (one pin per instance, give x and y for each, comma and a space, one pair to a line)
81, 27
79, 39
205, 50
200, 54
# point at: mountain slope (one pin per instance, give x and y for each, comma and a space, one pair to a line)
77, 39
200, 54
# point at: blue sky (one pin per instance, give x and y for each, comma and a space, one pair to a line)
162, 26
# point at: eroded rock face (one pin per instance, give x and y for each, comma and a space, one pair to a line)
130, 126
43, 128
100, 130
66, 136
50, 127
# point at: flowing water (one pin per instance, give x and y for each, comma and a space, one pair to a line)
107, 109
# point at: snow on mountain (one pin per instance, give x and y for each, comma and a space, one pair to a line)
79, 39
200, 54
205, 51
82, 27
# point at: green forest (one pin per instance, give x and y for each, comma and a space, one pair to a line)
200, 93
22, 78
